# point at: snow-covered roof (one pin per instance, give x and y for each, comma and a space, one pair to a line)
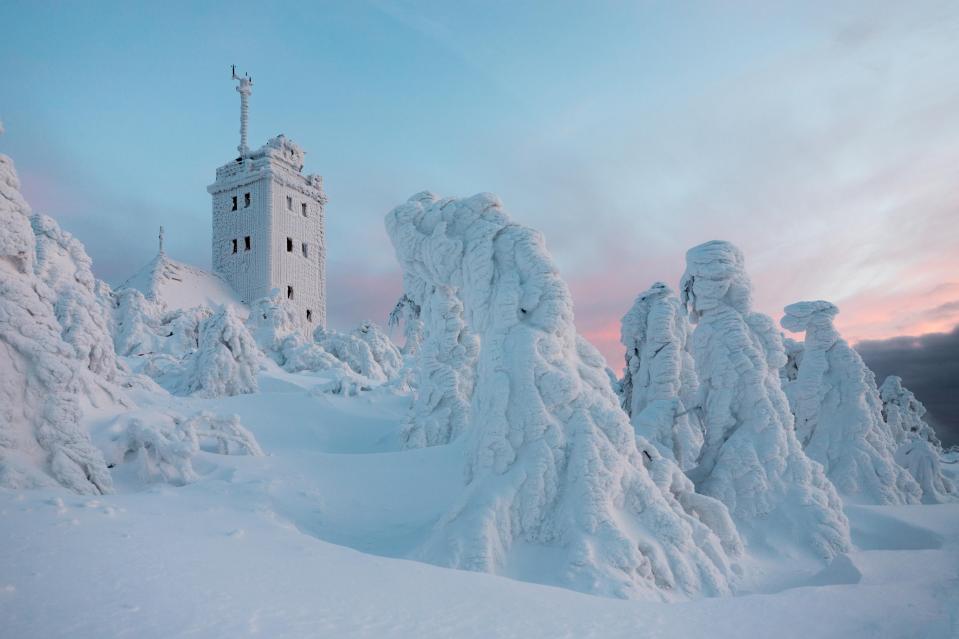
180, 285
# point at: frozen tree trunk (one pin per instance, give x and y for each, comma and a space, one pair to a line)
751, 459
919, 450
553, 460
839, 413
659, 385
40, 435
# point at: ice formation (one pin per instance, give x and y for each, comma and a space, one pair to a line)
163, 446
659, 385
40, 436
839, 414
751, 458
919, 450
553, 460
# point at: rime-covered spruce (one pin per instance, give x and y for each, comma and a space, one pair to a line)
552, 458
752, 460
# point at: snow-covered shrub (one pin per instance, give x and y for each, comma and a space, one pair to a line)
82, 304
382, 348
553, 460
922, 459
355, 351
904, 414
659, 386
137, 323
163, 446
751, 458
40, 434
839, 413
408, 312
225, 363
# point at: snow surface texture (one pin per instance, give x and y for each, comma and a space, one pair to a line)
839, 413
659, 385
40, 437
751, 459
553, 461
163, 446
919, 449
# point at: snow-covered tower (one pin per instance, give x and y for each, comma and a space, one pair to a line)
268, 222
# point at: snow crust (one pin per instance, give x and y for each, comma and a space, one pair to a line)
552, 460
752, 460
40, 436
660, 386
839, 414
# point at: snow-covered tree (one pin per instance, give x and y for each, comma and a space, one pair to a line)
136, 323
356, 350
278, 330
839, 413
751, 458
40, 435
82, 304
918, 448
904, 414
553, 460
659, 385
790, 371
408, 312
226, 361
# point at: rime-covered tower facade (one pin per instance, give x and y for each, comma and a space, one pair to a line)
268, 223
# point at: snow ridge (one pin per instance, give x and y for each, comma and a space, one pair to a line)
752, 460
553, 460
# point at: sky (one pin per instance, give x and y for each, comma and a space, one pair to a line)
822, 138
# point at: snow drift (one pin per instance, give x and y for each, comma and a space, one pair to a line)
553, 460
751, 458
659, 385
40, 438
839, 413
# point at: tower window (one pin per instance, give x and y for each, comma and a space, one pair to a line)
306, 249
289, 245
289, 203
309, 315
289, 292
234, 241
303, 207
246, 200
234, 204
246, 243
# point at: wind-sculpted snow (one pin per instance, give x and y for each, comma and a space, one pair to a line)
751, 458
553, 460
839, 413
163, 446
82, 304
660, 385
918, 448
40, 436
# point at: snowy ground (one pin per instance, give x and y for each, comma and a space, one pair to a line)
309, 540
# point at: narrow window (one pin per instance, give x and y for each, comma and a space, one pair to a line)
246, 200
303, 206
289, 292
234, 241
234, 204
246, 243
306, 249
309, 315
289, 203
289, 245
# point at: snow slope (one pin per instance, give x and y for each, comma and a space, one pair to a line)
308, 541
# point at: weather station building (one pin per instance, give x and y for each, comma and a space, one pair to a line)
268, 222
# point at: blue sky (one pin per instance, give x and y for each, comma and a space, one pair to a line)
821, 137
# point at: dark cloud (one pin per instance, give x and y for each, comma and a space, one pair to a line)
929, 367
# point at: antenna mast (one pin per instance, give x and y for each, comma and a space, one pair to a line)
244, 88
